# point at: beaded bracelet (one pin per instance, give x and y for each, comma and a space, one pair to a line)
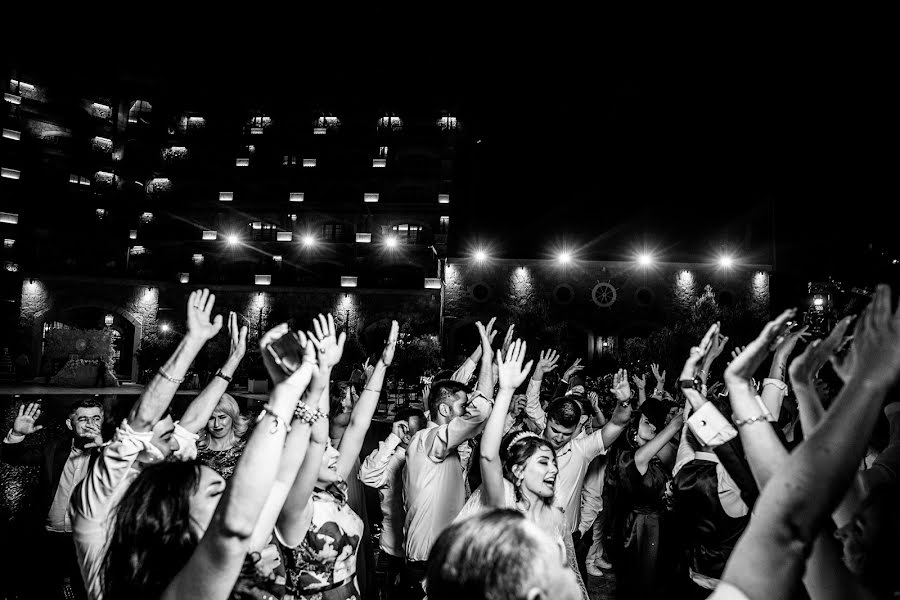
267, 409
303, 414
756, 419
166, 376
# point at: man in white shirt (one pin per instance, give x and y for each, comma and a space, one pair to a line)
383, 470
64, 463
433, 486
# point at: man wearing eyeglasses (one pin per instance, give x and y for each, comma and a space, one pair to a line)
64, 462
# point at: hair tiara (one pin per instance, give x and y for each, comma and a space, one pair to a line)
521, 436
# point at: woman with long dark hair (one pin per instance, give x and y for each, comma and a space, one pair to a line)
181, 532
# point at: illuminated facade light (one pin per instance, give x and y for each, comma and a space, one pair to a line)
443, 198
284, 236
481, 256
146, 217
370, 197
104, 177
197, 259
10, 173
226, 196
101, 144
132, 234
210, 234
11, 266
685, 278
9, 218
12, 98
432, 283
726, 261
137, 250
564, 257
296, 197
232, 239
101, 212
645, 259
8, 243
364, 238
348, 281
263, 280
165, 327
379, 163
391, 241
242, 162
108, 320
309, 240
12, 134
184, 277
101, 107
278, 258
309, 162
15, 83
818, 301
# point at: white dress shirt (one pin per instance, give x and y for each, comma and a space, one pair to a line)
73, 473
383, 470
573, 460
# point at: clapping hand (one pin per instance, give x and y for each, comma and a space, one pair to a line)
698, 353
745, 363
805, 367
790, 342
875, 353
24, 423
199, 310
511, 372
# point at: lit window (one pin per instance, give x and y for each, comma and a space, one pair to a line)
12, 98
132, 234
209, 234
390, 122
11, 266
226, 196
309, 162
445, 224
242, 162
174, 154
278, 258
8, 243
293, 217
256, 131
322, 124
184, 277
9, 218
382, 151
100, 110
12, 134
263, 280
10, 173
432, 283
101, 144
379, 163
101, 212
256, 225
197, 259
158, 185
364, 238
139, 110
73, 178
146, 218
260, 121
296, 196
332, 231
319, 131
447, 123
348, 281
104, 177
289, 160
138, 250
371, 197
284, 236
84, 181
443, 198
407, 233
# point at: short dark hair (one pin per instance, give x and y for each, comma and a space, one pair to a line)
445, 374
442, 390
565, 411
405, 414
86, 403
336, 394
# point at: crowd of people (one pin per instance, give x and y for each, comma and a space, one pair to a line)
503, 486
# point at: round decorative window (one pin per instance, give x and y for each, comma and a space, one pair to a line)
480, 292
725, 298
644, 296
604, 295
563, 294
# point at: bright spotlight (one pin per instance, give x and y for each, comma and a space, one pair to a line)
564, 257
645, 259
164, 328
391, 241
309, 240
481, 256
819, 301
726, 261
232, 239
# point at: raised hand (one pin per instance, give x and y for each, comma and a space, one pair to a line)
748, 361
199, 310
400, 429
546, 363
718, 345
487, 333
507, 341
511, 372
238, 338
387, 355
698, 353
576, 366
620, 388
876, 342
24, 423
639, 382
594, 399
805, 367
791, 338
329, 347
96, 438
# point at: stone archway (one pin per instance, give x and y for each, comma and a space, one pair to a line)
54, 313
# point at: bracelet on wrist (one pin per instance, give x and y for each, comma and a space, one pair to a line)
303, 414
757, 419
168, 377
365, 389
219, 373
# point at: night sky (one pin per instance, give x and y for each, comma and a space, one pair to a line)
682, 146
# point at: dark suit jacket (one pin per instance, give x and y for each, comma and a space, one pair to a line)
51, 458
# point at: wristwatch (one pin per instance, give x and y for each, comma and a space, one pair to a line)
691, 384
219, 373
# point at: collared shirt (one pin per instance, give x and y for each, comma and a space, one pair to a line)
97, 495
729, 492
74, 471
573, 460
433, 486
383, 470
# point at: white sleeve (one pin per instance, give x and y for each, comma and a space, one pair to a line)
373, 472
710, 427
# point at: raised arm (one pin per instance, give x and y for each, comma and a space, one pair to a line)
361, 417
799, 497
644, 454
719, 342
564, 380
373, 471
622, 414
154, 401
774, 387
660, 377
16, 453
512, 375
199, 410
640, 383
485, 371
215, 564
